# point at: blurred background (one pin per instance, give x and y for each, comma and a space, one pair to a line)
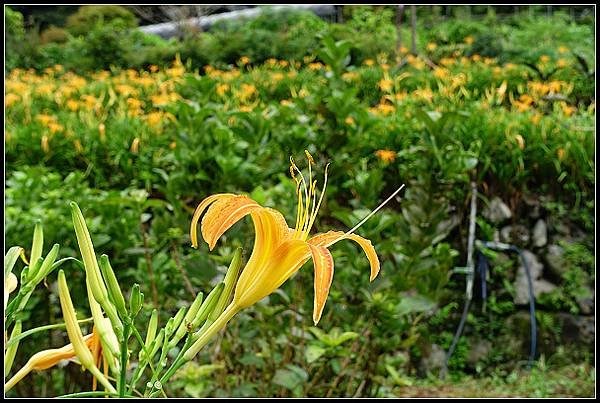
139, 112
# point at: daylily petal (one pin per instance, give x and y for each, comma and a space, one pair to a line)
323, 277
223, 214
199, 210
330, 236
258, 281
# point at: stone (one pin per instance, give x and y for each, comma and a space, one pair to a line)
540, 286
497, 211
433, 359
576, 329
479, 351
540, 234
555, 260
515, 234
586, 302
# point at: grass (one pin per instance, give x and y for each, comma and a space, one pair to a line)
575, 380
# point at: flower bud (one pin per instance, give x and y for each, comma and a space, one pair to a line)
152, 326
37, 244
114, 291
136, 300
43, 270
11, 351
229, 281
187, 320
174, 322
209, 304
70, 317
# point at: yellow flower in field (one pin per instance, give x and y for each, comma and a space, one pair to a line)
403, 49
509, 66
567, 109
11, 99
102, 131
44, 89
72, 105
283, 63
126, 90
386, 155
469, 40
45, 119
222, 89
431, 46
560, 153
424, 93
544, 58
44, 144
400, 95
271, 62
315, 66
135, 145
383, 108
55, 127
279, 251
247, 91
520, 141
489, 60
385, 66
535, 119
523, 103
285, 102
385, 84
78, 146
561, 63
441, 73
369, 62
349, 121
244, 60
134, 105
292, 74
58, 68
173, 145
555, 86
246, 108
563, 49
476, 58
89, 101
416, 62
277, 76
154, 118
447, 61
177, 70
349, 76
153, 68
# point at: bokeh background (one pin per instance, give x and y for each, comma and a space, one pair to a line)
137, 128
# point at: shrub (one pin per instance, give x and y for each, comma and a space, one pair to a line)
54, 34
88, 16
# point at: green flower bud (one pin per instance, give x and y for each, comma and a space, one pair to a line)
152, 326
230, 280
136, 300
209, 304
114, 291
186, 323
11, 351
37, 244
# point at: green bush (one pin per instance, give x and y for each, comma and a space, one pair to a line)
54, 34
88, 16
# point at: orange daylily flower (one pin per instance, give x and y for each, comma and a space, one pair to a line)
279, 251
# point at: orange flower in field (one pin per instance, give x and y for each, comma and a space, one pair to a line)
431, 46
544, 58
386, 155
385, 84
349, 121
244, 60
368, 62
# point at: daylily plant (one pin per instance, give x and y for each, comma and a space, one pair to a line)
279, 251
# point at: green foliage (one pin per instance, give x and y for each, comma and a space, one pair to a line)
90, 16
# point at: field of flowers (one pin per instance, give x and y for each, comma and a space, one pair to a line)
139, 149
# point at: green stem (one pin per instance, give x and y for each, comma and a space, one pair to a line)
124, 353
141, 367
188, 354
90, 394
41, 329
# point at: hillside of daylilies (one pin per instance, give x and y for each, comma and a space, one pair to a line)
137, 150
